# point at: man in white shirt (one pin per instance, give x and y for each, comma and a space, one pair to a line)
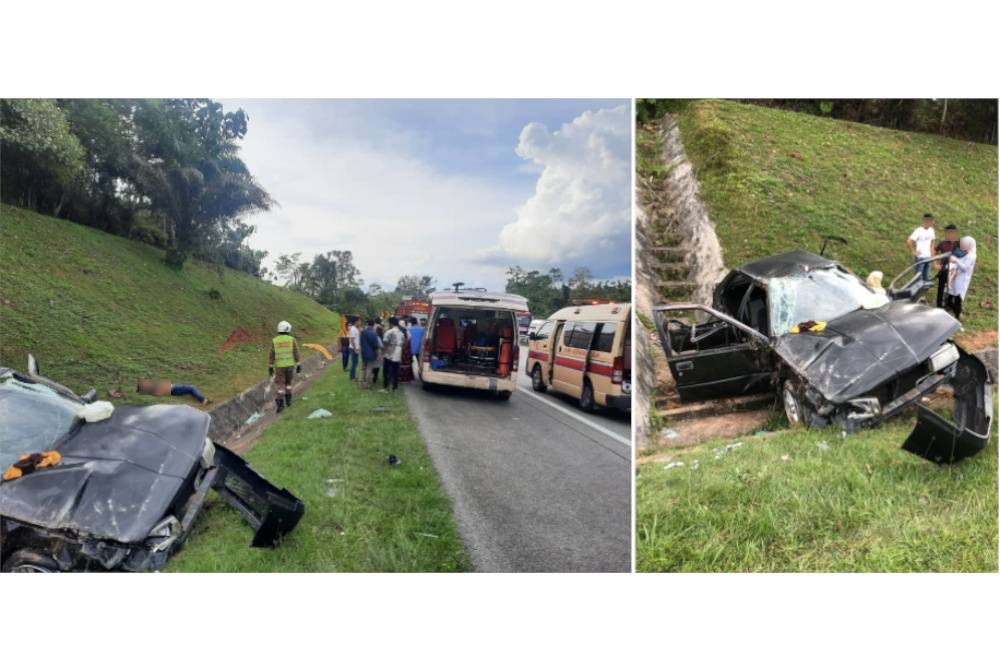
921, 243
354, 337
392, 354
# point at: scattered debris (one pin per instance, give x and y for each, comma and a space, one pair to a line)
669, 433
823, 446
393, 459
786, 458
719, 452
870, 470
331, 487
253, 418
431, 535
319, 414
762, 433
115, 393
381, 408
674, 464
694, 464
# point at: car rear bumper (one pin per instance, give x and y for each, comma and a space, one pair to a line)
622, 402
480, 382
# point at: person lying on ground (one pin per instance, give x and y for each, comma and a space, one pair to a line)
162, 388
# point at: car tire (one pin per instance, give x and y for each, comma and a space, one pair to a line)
537, 381
504, 395
587, 398
796, 410
30, 560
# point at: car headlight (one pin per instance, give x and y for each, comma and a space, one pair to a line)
862, 409
164, 534
943, 357
208, 454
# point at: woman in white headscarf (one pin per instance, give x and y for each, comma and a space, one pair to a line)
960, 268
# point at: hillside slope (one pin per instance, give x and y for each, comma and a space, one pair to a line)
775, 180
99, 310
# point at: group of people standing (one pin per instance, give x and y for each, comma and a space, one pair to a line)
954, 273
391, 350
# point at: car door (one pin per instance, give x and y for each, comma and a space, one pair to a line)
712, 355
572, 350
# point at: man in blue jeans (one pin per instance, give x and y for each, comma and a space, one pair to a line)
354, 343
920, 244
163, 387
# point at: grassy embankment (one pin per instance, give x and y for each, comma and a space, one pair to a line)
102, 311
775, 180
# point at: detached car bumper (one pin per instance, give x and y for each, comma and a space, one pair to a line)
945, 441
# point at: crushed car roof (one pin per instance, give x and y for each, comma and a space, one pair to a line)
783, 265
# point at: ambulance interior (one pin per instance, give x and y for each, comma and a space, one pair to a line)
474, 341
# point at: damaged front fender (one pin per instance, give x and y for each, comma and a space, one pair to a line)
944, 442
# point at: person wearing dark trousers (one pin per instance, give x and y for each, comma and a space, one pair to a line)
380, 331
283, 363
153, 387
394, 340
945, 246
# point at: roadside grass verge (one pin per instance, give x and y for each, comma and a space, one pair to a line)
379, 518
102, 311
775, 180
781, 503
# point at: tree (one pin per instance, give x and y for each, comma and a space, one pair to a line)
286, 267
581, 278
42, 158
190, 169
541, 289
418, 287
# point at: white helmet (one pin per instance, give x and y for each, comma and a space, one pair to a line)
284, 327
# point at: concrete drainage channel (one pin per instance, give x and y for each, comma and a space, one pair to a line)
230, 417
678, 259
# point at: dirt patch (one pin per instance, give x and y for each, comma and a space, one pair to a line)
697, 431
237, 337
986, 339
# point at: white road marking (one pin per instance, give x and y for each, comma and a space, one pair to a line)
587, 422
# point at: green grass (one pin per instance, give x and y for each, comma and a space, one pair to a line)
100, 310
780, 503
775, 180
381, 519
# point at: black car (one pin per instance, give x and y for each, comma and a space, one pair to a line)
126, 489
835, 351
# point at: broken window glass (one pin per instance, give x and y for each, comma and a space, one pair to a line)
818, 295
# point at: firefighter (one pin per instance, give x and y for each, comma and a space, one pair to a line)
283, 364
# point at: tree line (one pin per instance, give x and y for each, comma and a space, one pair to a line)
974, 120
550, 291
166, 172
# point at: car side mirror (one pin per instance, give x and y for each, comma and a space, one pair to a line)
90, 396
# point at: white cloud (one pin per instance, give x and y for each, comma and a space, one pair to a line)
579, 213
375, 196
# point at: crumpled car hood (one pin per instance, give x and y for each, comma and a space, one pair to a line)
117, 477
861, 350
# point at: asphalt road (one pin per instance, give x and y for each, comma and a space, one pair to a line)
537, 485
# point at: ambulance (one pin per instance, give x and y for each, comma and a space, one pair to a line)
585, 351
472, 341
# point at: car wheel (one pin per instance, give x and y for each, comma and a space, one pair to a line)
796, 411
503, 395
587, 398
537, 381
29, 560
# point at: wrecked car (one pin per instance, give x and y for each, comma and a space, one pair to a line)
834, 350
89, 486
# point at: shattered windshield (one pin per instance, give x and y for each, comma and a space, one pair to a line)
818, 295
33, 416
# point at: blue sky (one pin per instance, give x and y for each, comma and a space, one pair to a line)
458, 189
